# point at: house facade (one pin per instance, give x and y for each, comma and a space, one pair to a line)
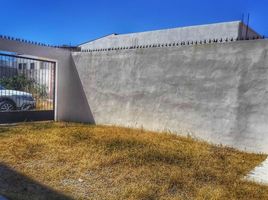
226, 30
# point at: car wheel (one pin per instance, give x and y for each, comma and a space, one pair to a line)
6, 106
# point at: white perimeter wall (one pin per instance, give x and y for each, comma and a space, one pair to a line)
216, 92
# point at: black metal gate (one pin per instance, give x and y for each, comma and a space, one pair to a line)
27, 89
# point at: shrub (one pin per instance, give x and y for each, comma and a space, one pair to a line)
23, 83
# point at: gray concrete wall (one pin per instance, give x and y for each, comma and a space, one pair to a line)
71, 103
216, 92
247, 32
190, 33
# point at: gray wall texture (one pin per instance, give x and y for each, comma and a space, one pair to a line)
224, 30
215, 92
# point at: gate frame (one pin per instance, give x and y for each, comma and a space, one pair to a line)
43, 115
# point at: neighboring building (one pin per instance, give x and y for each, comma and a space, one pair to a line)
41, 72
70, 47
7, 68
224, 30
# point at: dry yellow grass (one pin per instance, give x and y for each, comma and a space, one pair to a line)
43, 104
102, 162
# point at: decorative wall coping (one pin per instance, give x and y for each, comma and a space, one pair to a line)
27, 41
174, 44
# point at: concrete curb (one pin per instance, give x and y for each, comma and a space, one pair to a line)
260, 173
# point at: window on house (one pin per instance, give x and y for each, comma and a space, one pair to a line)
24, 66
43, 65
32, 66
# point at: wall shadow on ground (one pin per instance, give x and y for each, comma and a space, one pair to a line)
14, 185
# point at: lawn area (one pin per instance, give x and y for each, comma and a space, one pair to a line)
78, 161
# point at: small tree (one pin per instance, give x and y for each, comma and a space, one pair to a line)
20, 82
23, 83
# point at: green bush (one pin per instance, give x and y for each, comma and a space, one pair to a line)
23, 83
19, 82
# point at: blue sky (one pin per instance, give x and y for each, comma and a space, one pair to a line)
75, 21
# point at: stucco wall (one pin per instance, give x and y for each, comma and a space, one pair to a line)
190, 33
247, 32
216, 92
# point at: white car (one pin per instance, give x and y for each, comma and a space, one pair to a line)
11, 100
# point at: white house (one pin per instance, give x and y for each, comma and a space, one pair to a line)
235, 29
